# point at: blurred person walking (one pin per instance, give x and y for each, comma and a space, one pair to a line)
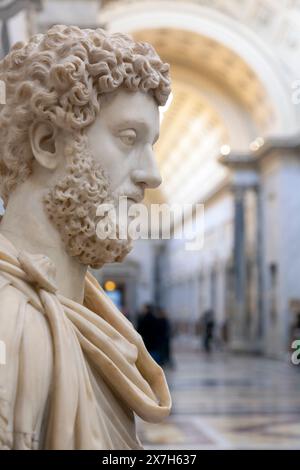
208, 330
148, 327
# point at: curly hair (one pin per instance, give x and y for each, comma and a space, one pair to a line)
60, 76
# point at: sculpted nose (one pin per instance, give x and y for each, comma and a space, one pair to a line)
147, 173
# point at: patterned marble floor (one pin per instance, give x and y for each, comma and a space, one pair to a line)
225, 401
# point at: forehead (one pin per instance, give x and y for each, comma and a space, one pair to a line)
125, 107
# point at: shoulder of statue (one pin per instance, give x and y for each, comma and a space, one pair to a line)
26, 362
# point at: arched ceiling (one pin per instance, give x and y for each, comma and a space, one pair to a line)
226, 90
206, 57
277, 22
193, 128
243, 34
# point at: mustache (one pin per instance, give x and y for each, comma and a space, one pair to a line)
136, 195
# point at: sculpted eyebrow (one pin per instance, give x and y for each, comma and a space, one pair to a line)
134, 123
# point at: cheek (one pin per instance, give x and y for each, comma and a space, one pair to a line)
116, 162
119, 174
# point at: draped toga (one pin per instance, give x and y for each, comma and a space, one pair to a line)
74, 375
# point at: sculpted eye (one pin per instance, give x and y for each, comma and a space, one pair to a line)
128, 136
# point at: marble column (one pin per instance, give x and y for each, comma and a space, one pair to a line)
238, 333
5, 44
244, 318
158, 272
259, 265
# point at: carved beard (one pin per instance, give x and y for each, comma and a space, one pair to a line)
72, 204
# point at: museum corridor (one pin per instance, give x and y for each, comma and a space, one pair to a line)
226, 401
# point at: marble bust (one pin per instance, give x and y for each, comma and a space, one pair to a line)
77, 130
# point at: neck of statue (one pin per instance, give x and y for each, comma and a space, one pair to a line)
26, 225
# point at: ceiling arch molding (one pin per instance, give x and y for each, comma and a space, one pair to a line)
210, 24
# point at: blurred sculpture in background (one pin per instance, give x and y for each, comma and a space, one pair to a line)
77, 130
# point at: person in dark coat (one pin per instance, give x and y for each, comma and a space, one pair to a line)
208, 327
147, 326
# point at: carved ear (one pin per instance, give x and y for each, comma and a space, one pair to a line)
42, 137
